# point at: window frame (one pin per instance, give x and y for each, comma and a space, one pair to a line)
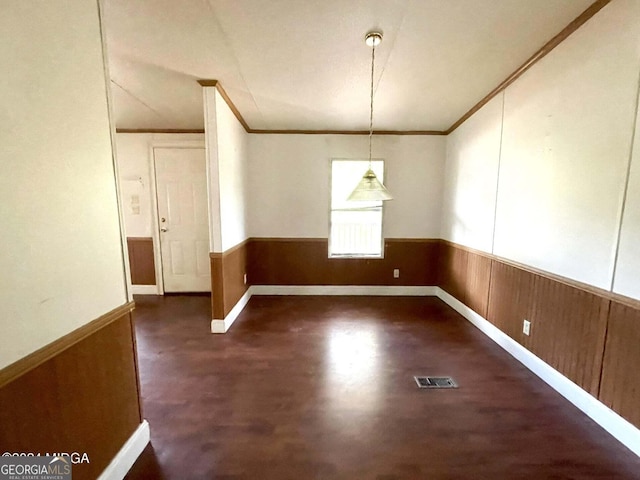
382, 215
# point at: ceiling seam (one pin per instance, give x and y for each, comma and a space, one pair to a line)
136, 98
237, 61
393, 45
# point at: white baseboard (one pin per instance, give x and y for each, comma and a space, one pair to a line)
128, 454
144, 289
618, 427
382, 290
222, 325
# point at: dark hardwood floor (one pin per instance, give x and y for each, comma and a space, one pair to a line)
323, 388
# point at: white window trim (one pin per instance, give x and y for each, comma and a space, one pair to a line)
382, 222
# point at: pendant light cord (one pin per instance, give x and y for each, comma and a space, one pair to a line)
373, 58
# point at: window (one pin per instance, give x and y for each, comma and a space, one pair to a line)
356, 227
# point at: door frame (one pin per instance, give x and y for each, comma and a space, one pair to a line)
155, 221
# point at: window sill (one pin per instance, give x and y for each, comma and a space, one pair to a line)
361, 257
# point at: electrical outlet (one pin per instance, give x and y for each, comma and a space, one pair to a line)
396, 273
526, 327
245, 278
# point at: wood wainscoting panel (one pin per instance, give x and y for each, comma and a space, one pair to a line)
465, 274
287, 261
141, 260
452, 270
511, 300
217, 286
568, 324
84, 399
227, 278
568, 327
234, 266
478, 282
305, 261
620, 387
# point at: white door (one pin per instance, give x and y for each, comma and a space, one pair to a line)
183, 218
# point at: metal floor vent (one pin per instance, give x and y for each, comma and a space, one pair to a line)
435, 382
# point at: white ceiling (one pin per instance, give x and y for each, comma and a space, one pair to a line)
303, 64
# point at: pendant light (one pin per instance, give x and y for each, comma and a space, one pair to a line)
370, 188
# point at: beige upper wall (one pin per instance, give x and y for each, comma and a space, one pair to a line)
233, 159
278, 185
627, 278
563, 156
471, 178
61, 254
227, 159
289, 182
568, 125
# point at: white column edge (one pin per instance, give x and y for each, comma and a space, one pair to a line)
145, 290
223, 325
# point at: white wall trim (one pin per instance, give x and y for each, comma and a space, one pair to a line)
145, 290
618, 427
213, 171
383, 290
114, 152
221, 326
155, 226
128, 454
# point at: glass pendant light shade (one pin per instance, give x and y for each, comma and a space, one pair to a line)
370, 189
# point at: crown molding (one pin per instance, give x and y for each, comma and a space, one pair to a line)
159, 130
348, 132
535, 58
218, 86
208, 83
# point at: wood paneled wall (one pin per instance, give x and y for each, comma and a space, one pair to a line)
465, 274
620, 386
79, 394
141, 260
227, 278
582, 332
305, 261
568, 324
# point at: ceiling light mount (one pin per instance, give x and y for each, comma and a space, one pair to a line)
373, 38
